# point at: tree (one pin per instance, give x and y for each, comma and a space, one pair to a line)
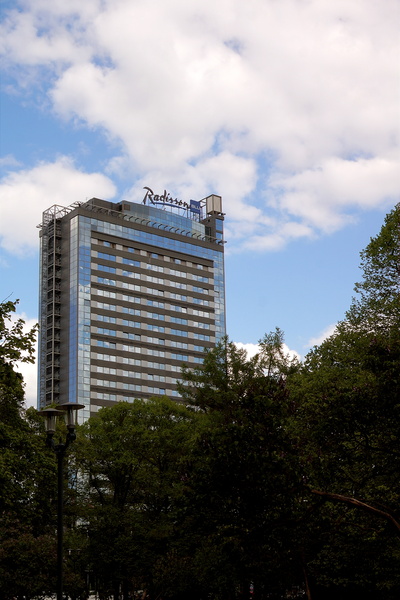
27, 473
377, 307
132, 458
348, 425
243, 483
15, 346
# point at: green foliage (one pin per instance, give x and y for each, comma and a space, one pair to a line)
347, 426
27, 564
27, 475
272, 474
15, 345
377, 306
132, 457
243, 484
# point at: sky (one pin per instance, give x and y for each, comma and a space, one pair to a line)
288, 109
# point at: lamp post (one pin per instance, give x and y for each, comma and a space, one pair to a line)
51, 414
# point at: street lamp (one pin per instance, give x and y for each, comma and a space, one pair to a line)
51, 414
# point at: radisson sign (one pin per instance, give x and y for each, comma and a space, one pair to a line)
165, 198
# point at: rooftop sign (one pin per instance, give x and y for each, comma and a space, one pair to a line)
165, 198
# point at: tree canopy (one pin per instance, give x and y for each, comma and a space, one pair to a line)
272, 478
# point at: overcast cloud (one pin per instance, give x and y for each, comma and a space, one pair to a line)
289, 108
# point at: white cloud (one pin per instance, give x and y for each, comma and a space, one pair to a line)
204, 94
25, 194
321, 337
29, 373
9, 161
253, 349
363, 182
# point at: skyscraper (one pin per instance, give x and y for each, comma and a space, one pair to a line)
128, 292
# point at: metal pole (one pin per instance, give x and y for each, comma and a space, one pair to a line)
51, 414
60, 492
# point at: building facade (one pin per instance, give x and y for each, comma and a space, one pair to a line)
128, 293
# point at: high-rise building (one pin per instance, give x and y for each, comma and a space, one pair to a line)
128, 292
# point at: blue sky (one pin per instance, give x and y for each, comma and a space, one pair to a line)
289, 110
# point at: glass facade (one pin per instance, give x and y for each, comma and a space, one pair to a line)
79, 314
128, 259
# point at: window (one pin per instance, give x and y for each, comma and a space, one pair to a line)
178, 308
154, 292
105, 306
179, 332
178, 297
105, 318
126, 360
105, 256
182, 357
155, 365
128, 323
127, 348
178, 284
104, 396
200, 325
130, 286
125, 273
126, 298
130, 336
201, 336
132, 387
177, 273
178, 320
152, 340
159, 353
155, 303
156, 268
152, 377
155, 280
106, 281
104, 383
105, 293
106, 370
131, 262
201, 313
200, 278
182, 345
130, 374
200, 301
104, 268
131, 311
103, 331
154, 390
156, 328
156, 316
104, 344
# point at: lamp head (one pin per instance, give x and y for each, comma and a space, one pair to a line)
71, 408
50, 414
